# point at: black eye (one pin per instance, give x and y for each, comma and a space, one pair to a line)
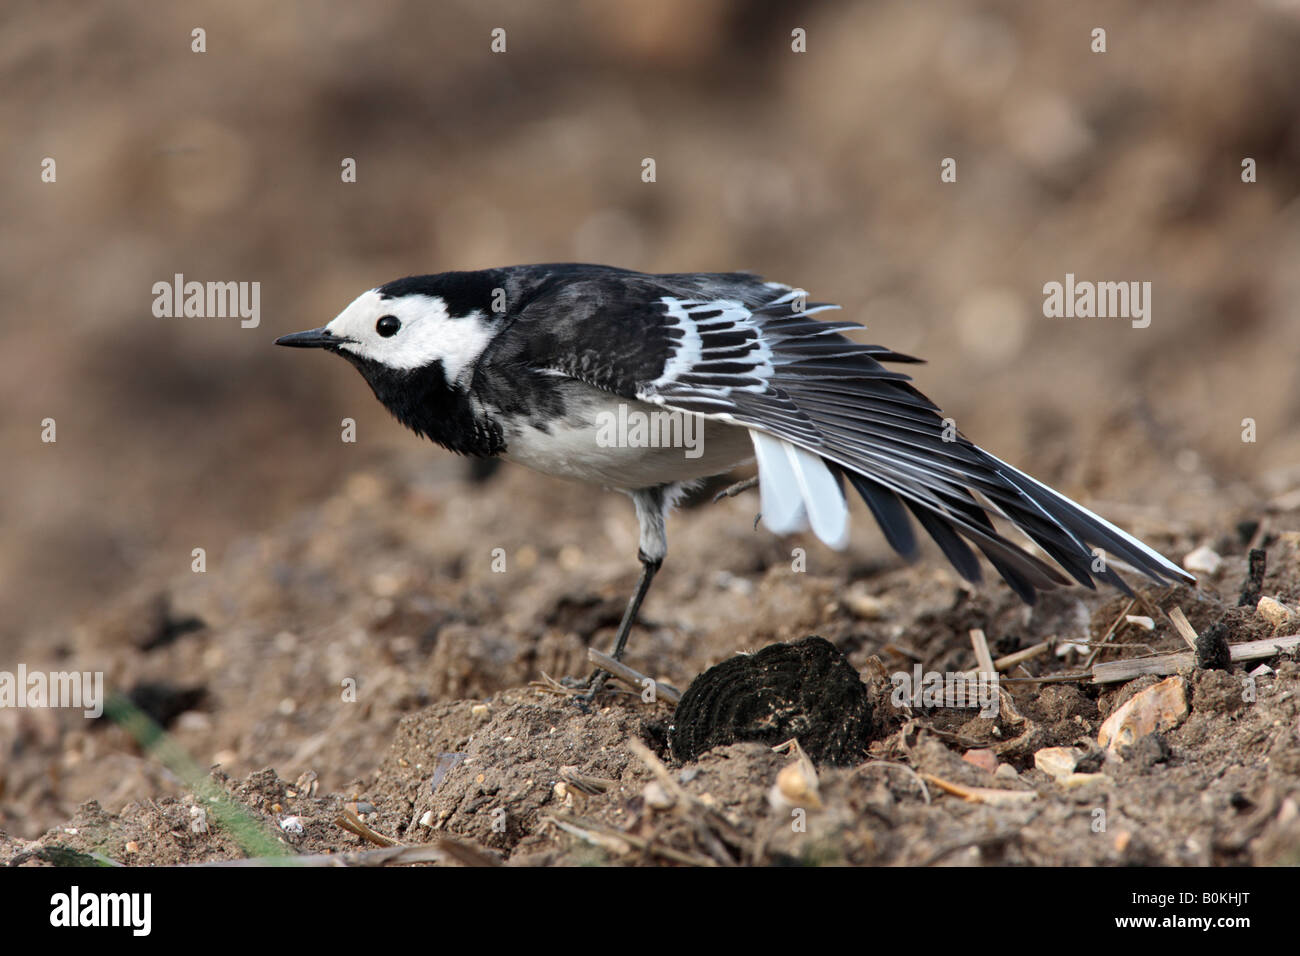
388, 325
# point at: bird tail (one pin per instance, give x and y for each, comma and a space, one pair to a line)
802, 489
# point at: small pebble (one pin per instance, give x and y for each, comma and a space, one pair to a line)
868, 607
656, 797
307, 783
1158, 708
1057, 762
984, 759
194, 721
796, 786
1203, 560
1273, 611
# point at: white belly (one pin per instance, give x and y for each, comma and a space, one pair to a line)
626, 444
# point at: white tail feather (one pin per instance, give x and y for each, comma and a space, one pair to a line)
823, 499
779, 493
795, 486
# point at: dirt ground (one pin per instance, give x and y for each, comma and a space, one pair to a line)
390, 584
375, 622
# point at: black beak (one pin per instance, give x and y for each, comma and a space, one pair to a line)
311, 339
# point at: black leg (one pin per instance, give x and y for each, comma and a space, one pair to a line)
648, 569
652, 506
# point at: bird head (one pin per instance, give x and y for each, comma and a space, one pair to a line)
408, 326
417, 342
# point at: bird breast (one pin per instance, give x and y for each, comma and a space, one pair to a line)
624, 443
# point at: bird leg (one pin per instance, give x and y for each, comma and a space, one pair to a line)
651, 510
597, 680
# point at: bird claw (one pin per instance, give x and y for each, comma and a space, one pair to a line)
590, 687
732, 490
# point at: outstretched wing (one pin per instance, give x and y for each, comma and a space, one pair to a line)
821, 408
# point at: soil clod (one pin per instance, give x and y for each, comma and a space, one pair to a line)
806, 690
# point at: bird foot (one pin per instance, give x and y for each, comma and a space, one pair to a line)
732, 490
590, 688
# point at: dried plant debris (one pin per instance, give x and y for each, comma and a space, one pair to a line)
1254, 585
1212, 650
805, 690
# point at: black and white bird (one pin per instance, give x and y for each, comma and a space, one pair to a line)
530, 362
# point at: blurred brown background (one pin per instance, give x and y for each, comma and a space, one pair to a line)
819, 169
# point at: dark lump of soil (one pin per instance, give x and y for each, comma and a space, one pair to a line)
806, 690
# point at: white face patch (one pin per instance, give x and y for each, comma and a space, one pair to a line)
427, 334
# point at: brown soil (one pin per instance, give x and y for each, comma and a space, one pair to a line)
391, 586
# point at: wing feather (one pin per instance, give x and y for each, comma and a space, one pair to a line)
830, 401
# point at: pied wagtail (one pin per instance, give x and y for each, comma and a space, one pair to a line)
525, 362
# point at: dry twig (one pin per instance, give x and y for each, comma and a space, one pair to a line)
354, 824
635, 678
